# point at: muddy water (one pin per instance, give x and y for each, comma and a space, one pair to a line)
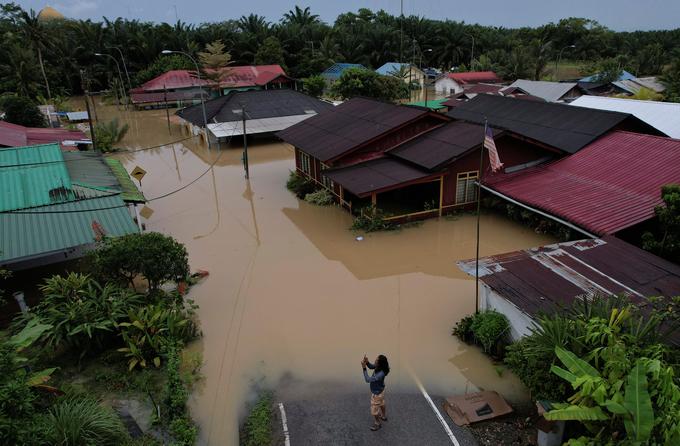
293, 297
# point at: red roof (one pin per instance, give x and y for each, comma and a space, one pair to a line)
609, 185
250, 75
474, 77
172, 80
171, 96
12, 135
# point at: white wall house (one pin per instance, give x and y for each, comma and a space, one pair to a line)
446, 86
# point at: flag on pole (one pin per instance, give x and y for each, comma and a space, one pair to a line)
490, 145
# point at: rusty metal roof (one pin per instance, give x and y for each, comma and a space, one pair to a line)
340, 129
442, 145
549, 277
557, 125
610, 185
375, 175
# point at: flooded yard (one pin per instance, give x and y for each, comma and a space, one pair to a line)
293, 299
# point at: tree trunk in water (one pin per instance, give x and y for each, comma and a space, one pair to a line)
42, 68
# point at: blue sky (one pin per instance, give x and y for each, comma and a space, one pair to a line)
616, 14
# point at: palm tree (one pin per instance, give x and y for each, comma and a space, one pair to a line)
19, 71
35, 33
301, 17
254, 24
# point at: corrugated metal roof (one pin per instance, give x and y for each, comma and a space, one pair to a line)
474, 77
375, 175
249, 75
13, 135
171, 96
610, 185
23, 236
339, 129
36, 184
594, 78
550, 91
553, 276
130, 193
77, 116
256, 126
335, 71
558, 125
432, 104
172, 80
442, 145
664, 116
392, 68
259, 104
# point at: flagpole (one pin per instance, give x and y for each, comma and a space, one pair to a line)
479, 208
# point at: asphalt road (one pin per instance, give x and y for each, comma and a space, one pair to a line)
344, 419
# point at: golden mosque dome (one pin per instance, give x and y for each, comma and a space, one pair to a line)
49, 13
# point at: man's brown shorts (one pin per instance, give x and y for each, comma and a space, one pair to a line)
377, 401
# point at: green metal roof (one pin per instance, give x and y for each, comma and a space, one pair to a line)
130, 192
434, 104
25, 236
30, 183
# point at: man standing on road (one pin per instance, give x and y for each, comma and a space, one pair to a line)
377, 384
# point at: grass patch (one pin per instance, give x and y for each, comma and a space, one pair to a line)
257, 428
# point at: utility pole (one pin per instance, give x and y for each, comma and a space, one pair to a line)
401, 33
167, 112
245, 142
87, 107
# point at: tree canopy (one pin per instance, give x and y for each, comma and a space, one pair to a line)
31, 64
363, 82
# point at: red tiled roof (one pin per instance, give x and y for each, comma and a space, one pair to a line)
474, 77
13, 135
609, 185
172, 80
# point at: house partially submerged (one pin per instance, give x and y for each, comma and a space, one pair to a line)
548, 91
408, 73
610, 185
333, 73
13, 135
174, 88
266, 111
452, 83
524, 284
57, 204
663, 116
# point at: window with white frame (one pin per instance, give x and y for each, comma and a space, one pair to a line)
466, 189
305, 163
327, 182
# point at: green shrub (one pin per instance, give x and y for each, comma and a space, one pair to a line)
257, 428
300, 185
530, 367
371, 219
463, 329
83, 421
157, 257
488, 328
175, 396
109, 133
83, 314
322, 197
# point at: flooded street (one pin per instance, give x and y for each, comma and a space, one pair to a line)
293, 299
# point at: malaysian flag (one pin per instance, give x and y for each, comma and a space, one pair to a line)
490, 145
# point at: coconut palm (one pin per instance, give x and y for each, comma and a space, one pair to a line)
38, 38
302, 17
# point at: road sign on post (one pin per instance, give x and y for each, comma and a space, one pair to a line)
138, 173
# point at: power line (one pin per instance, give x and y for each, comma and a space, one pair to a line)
89, 159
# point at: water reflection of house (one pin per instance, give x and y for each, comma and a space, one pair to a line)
413, 163
267, 111
524, 284
56, 204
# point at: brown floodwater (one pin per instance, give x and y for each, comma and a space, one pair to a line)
292, 296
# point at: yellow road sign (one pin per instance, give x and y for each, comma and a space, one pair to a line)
146, 212
138, 173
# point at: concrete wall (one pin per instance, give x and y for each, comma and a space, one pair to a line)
446, 86
520, 322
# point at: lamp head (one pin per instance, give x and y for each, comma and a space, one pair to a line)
167, 52
98, 54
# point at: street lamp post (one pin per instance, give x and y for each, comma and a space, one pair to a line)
200, 86
120, 75
429, 50
472, 51
127, 75
557, 62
